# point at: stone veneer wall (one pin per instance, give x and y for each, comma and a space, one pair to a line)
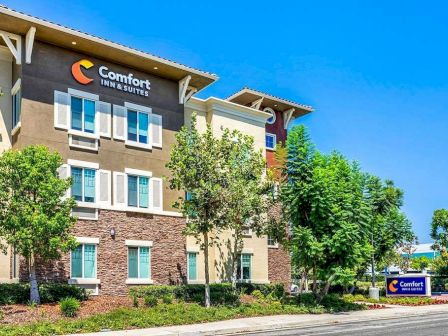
279, 260
168, 257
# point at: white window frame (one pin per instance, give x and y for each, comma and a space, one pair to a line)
85, 241
138, 244
275, 245
188, 267
150, 193
272, 112
85, 165
84, 96
139, 109
250, 267
274, 136
15, 89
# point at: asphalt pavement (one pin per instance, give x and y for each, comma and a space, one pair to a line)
425, 325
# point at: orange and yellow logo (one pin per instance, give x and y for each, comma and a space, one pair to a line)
392, 287
77, 73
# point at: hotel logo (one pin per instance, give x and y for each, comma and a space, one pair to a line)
111, 79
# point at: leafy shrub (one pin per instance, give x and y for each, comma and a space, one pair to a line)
335, 303
151, 301
258, 295
49, 293
168, 298
277, 289
134, 301
219, 293
69, 307
306, 299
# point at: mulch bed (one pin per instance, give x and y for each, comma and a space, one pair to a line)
17, 314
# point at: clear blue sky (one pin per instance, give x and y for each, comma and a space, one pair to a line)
375, 71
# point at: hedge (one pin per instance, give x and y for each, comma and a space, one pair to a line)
20, 293
220, 294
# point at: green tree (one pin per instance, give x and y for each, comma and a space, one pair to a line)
198, 165
439, 229
440, 264
420, 263
388, 226
35, 218
247, 193
325, 203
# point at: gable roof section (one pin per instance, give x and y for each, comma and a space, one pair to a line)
19, 23
247, 96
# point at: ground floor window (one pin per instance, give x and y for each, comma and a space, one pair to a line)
139, 262
192, 266
83, 261
244, 271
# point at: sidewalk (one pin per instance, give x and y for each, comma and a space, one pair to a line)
277, 322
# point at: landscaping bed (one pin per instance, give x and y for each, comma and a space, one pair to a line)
400, 301
119, 313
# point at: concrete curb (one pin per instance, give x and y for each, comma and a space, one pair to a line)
272, 323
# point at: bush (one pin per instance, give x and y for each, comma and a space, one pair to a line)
219, 293
306, 299
151, 301
168, 298
69, 307
258, 295
49, 293
276, 289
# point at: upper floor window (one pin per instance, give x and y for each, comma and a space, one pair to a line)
271, 120
83, 184
16, 103
271, 141
272, 242
82, 114
138, 125
138, 191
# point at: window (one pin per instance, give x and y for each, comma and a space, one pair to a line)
82, 114
192, 266
138, 191
244, 271
138, 123
271, 120
83, 262
16, 103
272, 242
83, 184
271, 141
139, 262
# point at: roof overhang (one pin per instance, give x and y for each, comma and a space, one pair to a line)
20, 24
250, 97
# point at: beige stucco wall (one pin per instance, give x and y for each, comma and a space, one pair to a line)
5, 100
221, 114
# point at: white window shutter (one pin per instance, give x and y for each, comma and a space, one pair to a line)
157, 193
61, 110
64, 173
119, 121
103, 119
104, 191
120, 190
156, 130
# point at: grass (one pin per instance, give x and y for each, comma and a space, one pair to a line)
161, 315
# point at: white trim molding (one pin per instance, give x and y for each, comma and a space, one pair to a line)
84, 281
83, 164
29, 42
136, 107
87, 240
287, 117
137, 281
138, 172
193, 249
138, 243
247, 251
16, 50
83, 94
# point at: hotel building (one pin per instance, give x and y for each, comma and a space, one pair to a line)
112, 112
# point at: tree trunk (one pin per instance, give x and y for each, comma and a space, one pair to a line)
34, 290
207, 275
234, 262
326, 288
314, 281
